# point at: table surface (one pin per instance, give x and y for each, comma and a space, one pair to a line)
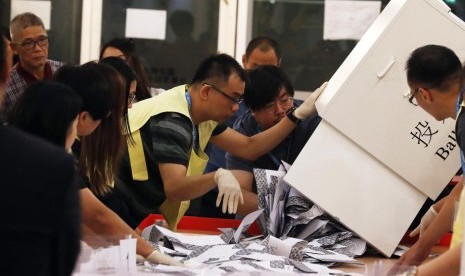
379, 264
368, 264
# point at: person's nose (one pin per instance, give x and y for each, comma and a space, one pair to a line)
235, 107
36, 47
279, 109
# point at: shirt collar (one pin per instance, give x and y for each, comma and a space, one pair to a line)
30, 78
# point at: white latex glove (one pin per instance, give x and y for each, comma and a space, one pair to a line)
426, 220
139, 259
160, 258
307, 108
229, 191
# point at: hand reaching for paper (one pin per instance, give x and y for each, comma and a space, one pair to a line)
229, 191
417, 253
160, 258
308, 108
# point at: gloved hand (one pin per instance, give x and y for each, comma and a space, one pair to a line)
160, 258
426, 220
307, 108
229, 191
139, 259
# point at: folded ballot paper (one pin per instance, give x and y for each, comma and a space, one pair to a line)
375, 158
117, 258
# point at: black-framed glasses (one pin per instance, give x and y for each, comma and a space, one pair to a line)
284, 102
233, 100
29, 44
411, 97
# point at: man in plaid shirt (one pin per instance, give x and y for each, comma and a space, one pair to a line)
30, 43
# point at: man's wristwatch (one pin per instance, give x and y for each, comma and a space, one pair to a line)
292, 117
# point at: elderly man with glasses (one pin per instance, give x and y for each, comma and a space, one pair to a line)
30, 43
269, 98
166, 159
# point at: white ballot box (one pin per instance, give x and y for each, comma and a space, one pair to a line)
375, 158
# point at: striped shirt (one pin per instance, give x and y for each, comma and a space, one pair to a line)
166, 138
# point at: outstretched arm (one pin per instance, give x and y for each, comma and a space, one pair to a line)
99, 219
446, 264
253, 147
440, 225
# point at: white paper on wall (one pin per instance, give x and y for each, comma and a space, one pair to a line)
349, 19
40, 8
145, 23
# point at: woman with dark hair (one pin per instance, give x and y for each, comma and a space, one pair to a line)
49, 110
125, 49
101, 89
99, 152
130, 84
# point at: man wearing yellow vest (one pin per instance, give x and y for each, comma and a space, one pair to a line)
165, 162
435, 77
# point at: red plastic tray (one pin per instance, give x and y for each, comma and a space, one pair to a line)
191, 223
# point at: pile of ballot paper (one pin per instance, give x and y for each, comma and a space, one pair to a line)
211, 255
298, 237
288, 213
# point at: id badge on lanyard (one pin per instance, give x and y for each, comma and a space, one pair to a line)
458, 108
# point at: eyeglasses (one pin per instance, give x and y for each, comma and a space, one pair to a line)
284, 102
411, 97
29, 44
233, 100
131, 97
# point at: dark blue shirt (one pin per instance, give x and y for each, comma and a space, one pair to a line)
287, 150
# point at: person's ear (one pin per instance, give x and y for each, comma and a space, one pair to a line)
204, 91
13, 48
244, 60
82, 118
426, 95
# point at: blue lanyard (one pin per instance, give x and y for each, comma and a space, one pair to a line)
194, 128
458, 110
272, 157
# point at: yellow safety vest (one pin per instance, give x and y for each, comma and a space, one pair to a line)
173, 100
458, 223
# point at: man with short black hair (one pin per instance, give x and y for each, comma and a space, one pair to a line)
435, 77
269, 98
165, 163
262, 50
30, 43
